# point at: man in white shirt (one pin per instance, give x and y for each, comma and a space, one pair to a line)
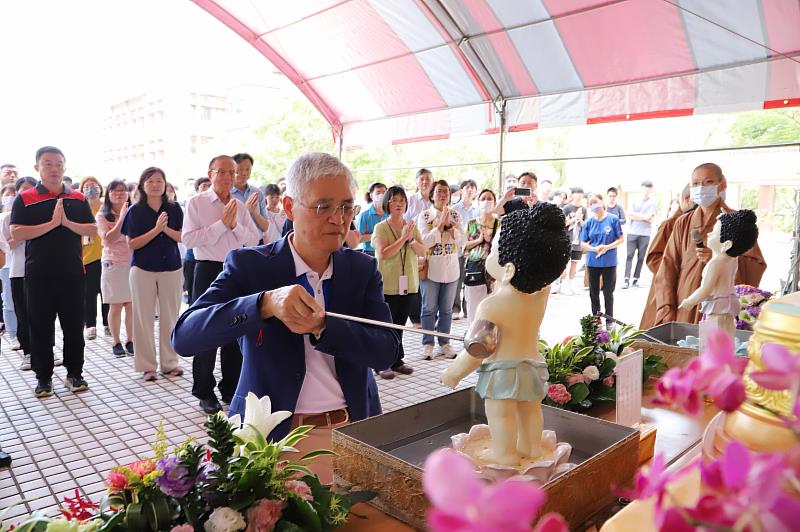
215, 223
468, 212
418, 202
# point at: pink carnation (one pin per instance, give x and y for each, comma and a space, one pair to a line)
142, 467
263, 515
558, 394
182, 528
300, 488
116, 482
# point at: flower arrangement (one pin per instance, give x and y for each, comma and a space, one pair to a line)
461, 501
582, 367
741, 490
751, 300
240, 481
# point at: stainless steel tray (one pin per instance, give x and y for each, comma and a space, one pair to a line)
386, 453
673, 331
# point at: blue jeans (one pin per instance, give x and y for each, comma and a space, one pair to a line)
9, 315
437, 308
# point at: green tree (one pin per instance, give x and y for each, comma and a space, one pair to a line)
773, 126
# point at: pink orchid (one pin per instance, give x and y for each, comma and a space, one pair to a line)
783, 369
651, 482
677, 388
461, 501
716, 372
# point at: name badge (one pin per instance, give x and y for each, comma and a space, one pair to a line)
85, 240
403, 285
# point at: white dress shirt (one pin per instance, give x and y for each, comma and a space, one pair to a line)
321, 391
416, 204
276, 221
204, 231
15, 258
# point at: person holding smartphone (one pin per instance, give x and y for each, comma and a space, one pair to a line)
397, 245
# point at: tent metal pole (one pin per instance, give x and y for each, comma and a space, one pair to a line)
500, 108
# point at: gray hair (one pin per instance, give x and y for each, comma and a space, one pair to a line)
312, 166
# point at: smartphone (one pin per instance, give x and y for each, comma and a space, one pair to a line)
522, 191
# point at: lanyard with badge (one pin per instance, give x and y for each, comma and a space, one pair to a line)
402, 284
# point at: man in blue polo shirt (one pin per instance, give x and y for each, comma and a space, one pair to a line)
52, 219
252, 197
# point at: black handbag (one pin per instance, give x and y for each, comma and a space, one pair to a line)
475, 273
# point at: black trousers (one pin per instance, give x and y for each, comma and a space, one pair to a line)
415, 308
188, 278
230, 356
457, 302
92, 290
21, 310
636, 244
48, 298
609, 276
399, 306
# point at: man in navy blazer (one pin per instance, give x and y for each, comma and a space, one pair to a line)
272, 299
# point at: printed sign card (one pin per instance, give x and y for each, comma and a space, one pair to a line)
629, 389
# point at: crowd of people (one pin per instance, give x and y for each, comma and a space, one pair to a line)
141, 250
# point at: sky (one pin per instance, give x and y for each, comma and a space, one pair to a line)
62, 63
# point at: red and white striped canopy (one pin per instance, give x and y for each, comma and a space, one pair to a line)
393, 71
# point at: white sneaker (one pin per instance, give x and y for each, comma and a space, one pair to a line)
91, 333
448, 351
427, 352
25, 365
15, 344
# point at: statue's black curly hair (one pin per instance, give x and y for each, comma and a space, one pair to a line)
740, 228
534, 241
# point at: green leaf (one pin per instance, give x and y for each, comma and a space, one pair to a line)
607, 367
135, 518
319, 452
287, 526
158, 514
604, 393
303, 514
111, 523
579, 392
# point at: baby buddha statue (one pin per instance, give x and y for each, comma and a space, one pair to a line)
529, 252
733, 234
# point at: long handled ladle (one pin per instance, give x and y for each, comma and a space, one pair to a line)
642, 334
480, 341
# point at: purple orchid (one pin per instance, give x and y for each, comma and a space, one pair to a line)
174, 480
601, 336
461, 501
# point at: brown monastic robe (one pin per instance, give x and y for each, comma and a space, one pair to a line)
653, 260
681, 271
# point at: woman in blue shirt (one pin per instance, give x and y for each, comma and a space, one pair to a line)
153, 229
371, 217
600, 236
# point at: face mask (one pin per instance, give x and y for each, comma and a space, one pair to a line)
485, 206
704, 196
377, 199
8, 202
595, 207
91, 192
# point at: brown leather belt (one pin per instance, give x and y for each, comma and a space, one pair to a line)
325, 419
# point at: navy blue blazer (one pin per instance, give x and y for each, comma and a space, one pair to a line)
274, 357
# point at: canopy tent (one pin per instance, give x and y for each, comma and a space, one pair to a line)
394, 71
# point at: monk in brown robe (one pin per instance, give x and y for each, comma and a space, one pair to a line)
656, 251
682, 264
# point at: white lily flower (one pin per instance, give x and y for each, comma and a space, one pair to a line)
258, 416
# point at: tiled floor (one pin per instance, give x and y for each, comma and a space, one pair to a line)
72, 440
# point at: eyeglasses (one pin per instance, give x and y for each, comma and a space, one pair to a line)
231, 173
324, 210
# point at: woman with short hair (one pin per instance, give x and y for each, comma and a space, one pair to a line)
91, 188
397, 245
116, 261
